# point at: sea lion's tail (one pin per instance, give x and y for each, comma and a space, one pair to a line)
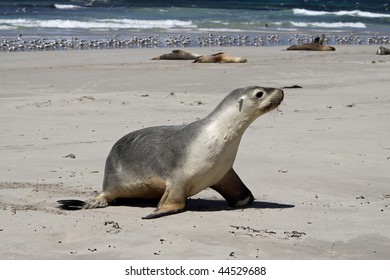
71, 204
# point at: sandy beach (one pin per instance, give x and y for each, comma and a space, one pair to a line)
318, 166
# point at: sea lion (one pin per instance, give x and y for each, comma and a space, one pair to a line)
383, 51
177, 55
311, 47
319, 40
172, 163
219, 58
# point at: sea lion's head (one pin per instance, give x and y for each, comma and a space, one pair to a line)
246, 104
260, 100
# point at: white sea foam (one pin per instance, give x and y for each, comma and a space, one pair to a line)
309, 13
221, 30
287, 29
358, 13
96, 24
354, 13
67, 7
329, 24
5, 27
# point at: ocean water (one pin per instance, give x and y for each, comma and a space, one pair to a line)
173, 20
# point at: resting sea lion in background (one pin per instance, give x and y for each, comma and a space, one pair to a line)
219, 58
316, 45
177, 55
383, 51
311, 47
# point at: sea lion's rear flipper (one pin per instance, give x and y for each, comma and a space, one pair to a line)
100, 201
197, 60
233, 190
71, 204
172, 202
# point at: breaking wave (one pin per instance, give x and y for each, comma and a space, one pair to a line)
67, 7
96, 24
330, 24
354, 13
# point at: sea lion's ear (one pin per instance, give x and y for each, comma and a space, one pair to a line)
240, 104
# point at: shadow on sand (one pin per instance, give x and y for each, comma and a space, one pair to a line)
201, 205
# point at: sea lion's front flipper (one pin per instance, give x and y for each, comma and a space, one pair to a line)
172, 202
163, 212
234, 190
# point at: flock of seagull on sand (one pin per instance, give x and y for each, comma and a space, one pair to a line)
208, 40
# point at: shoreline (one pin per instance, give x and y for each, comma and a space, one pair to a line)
19, 42
325, 152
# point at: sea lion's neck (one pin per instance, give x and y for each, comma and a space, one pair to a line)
229, 123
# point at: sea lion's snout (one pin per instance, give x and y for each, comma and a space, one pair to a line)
274, 98
277, 97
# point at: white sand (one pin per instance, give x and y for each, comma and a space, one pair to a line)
319, 168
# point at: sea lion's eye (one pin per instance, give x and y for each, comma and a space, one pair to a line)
259, 94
